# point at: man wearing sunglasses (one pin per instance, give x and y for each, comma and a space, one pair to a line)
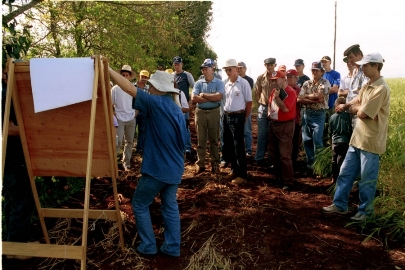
314, 97
237, 108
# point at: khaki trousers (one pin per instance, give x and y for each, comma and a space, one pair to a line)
207, 122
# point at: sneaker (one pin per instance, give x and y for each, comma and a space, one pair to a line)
333, 209
239, 181
230, 176
199, 170
358, 217
224, 164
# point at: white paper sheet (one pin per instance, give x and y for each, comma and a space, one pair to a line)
59, 82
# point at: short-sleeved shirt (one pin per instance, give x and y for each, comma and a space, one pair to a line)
214, 86
236, 95
346, 82
359, 80
164, 146
250, 80
275, 113
302, 79
265, 86
334, 78
184, 81
123, 104
310, 87
371, 135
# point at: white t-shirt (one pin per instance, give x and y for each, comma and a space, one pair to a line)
237, 94
123, 104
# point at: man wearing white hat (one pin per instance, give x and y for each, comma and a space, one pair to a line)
367, 143
126, 117
237, 108
163, 162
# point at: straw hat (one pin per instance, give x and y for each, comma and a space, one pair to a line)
163, 82
127, 68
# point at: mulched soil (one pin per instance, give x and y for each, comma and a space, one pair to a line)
253, 226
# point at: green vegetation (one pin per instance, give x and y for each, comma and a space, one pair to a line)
141, 34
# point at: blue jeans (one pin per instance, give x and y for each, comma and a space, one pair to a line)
188, 142
248, 134
357, 162
262, 132
313, 124
148, 188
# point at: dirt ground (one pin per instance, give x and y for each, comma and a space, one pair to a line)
253, 226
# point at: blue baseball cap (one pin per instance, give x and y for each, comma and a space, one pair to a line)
208, 63
177, 60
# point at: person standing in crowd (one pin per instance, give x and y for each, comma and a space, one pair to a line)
18, 204
314, 99
262, 93
237, 108
367, 143
216, 75
299, 66
334, 79
207, 94
140, 116
354, 54
282, 112
126, 117
292, 78
165, 127
184, 81
347, 80
248, 124
340, 131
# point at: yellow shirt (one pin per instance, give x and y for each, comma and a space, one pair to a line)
371, 135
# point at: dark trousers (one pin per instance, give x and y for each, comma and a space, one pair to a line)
234, 143
280, 148
140, 122
339, 151
18, 204
297, 140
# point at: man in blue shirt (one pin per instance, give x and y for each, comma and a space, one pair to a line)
163, 162
334, 79
207, 93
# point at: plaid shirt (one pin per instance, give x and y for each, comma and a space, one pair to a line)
310, 87
358, 81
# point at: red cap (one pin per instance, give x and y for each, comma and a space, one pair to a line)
292, 72
277, 74
282, 68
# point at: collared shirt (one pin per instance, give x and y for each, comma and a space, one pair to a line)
264, 86
371, 135
214, 86
358, 81
123, 104
236, 95
145, 88
310, 87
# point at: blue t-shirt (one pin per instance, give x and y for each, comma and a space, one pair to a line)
214, 86
166, 137
334, 78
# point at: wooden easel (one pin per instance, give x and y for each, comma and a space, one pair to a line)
76, 140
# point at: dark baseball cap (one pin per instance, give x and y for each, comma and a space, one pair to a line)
270, 61
177, 60
317, 65
208, 63
350, 49
326, 58
299, 62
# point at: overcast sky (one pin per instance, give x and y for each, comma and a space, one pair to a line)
253, 30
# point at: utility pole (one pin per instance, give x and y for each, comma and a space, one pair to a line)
334, 40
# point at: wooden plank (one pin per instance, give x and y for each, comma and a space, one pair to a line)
7, 106
78, 213
42, 250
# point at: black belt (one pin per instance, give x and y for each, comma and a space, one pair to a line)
235, 112
208, 109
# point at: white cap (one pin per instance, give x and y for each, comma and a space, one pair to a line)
163, 82
371, 58
231, 63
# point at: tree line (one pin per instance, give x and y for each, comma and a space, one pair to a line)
141, 34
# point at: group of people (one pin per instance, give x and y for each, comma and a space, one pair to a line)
292, 107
